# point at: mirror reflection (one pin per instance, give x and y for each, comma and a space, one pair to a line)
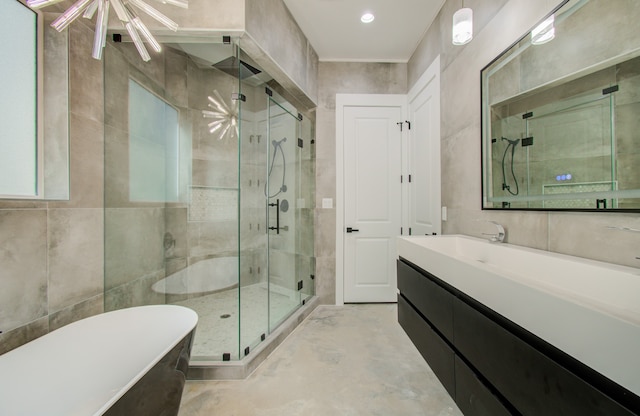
560, 113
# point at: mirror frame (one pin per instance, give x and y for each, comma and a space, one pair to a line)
485, 124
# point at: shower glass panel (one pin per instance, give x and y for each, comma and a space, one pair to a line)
560, 148
171, 186
202, 159
276, 215
254, 141
281, 193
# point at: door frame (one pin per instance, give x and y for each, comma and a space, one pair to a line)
342, 101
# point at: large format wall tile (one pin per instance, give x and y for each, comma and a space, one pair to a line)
23, 275
75, 256
134, 244
81, 310
86, 163
86, 86
23, 334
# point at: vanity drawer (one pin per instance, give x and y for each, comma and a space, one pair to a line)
473, 397
435, 351
431, 299
532, 382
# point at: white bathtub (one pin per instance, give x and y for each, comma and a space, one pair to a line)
99, 365
586, 308
206, 276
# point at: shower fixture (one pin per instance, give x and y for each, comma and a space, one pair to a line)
277, 145
512, 145
126, 12
224, 117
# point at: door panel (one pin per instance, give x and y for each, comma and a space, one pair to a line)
372, 160
424, 158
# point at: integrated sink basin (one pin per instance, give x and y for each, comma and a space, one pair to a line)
587, 309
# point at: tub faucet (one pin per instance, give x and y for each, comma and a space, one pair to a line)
497, 237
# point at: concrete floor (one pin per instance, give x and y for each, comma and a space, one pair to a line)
349, 360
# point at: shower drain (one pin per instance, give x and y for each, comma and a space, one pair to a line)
225, 316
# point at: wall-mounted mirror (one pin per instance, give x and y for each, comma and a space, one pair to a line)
34, 156
561, 113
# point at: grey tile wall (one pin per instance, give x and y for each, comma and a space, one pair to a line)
333, 78
497, 24
51, 252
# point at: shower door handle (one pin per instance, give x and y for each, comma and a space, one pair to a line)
277, 205
352, 230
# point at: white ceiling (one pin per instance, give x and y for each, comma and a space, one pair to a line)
334, 29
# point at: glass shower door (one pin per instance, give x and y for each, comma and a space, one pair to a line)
281, 198
290, 202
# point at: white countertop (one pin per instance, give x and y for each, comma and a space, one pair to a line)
588, 309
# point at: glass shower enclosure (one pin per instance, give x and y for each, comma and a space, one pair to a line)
209, 192
557, 148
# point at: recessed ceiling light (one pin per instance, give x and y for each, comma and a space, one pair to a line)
367, 18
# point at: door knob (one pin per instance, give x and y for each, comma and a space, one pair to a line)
352, 230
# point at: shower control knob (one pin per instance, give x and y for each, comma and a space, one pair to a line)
352, 230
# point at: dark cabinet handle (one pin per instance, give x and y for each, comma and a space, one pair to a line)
352, 230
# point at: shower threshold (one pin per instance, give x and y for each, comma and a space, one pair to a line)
241, 369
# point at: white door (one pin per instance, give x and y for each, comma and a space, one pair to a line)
372, 143
424, 154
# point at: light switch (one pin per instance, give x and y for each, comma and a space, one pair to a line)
327, 203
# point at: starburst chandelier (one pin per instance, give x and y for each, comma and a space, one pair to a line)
225, 118
126, 12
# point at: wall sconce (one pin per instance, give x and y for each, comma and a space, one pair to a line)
462, 26
544, 32
125, 10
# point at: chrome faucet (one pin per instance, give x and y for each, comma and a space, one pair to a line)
499, 236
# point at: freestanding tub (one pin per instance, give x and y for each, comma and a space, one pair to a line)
126, 362
204, 277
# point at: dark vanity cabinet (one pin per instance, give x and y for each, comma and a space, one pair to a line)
491, 366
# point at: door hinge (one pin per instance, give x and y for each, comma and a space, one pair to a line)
237, 96
409, 178
268, 91
610, 90
409, 230
300, 285
401, 178
401, 231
